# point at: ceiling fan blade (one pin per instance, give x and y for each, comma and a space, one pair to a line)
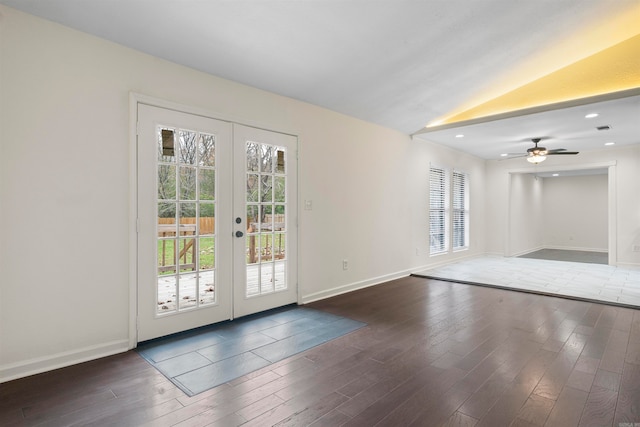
512, 156
562, 152
555, 150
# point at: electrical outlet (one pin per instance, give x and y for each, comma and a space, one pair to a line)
417, 251
635, 248
345, 264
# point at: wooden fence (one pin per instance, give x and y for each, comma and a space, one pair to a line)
276, 218
207, 225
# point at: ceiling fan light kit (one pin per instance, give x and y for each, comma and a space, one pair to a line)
536, 158
537, 154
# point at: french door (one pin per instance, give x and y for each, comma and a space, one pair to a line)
216, 221
265, 239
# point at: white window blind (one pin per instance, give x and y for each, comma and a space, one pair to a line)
460, 210
438, 211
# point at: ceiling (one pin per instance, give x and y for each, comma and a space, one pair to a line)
402, 64
564, 126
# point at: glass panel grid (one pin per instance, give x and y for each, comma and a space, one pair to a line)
186, 262
266, 206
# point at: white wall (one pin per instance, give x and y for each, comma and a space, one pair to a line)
64, 187
525, 214
426, 153
575, 210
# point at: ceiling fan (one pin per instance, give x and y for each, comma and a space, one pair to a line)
537, 154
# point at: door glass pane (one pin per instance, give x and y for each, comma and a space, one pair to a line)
279, 269
266, 204
188, 297
167, 228
206, 219
206, 253
187, 213
253, 162
252, 227
207, 150
266, 240
206, 281
166, 145
266, 219
252, 187
186, 254
252, 218
187, 183
253, 280
252, 248
166, 182
188, 147
279, 189
266, 186
186, 210
266, 278
280, 158
279, 218
167, 294
266, 163
167, 214
279, 246
206, 184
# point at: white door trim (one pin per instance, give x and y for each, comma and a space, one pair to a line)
138, 98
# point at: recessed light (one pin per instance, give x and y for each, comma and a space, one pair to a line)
556, 174
459, 135
609, 143
591, 115
503, 155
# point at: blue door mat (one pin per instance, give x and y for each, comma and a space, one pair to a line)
203, 358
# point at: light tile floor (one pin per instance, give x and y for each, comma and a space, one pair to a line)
573, 279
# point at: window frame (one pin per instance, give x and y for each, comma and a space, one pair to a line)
449, 210
440, 204
459, 208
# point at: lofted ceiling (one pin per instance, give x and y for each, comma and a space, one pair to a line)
403, 64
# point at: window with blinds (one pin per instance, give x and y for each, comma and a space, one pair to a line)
438, 211
460, 210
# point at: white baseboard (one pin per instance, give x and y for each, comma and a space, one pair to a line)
353, 286
494, 254
528, 251
447, 261
37, 365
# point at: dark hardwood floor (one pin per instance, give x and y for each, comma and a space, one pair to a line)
433, 354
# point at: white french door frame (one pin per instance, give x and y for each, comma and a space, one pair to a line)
135, 99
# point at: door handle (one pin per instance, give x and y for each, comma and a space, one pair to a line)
239, 233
